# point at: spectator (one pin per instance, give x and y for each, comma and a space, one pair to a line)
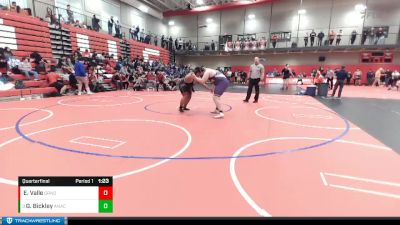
357, 77
54, 80
161, 80
349, 76
306, 40
155, 40
50, 16
176, 44
110, 25
77, 24
162, 41
131, 32
312, 37
339, 37
212, 45
287, 72
353, 37
5, 83
26, 68
388, 78
142, 35
377, 80
370, 77
331, 37
341, 77
117, 29
81, 76
364, 36
14, 7
96, 23
321, 36
70, 14
170, 43
137, 33
181, 44
7, 54
274, 40
380, 36
371, 36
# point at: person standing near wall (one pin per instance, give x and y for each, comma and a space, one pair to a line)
341, 76
110, 25
306, 40
274, 40
378, 74
364, 36
380, 36
212, 45
312, 37
142, 35
370, 77
95, 23
70, 14
353, 37
257, 71
117, 29
339, 37
286, 72
170, 45
331, 37
321, 36
357, 77
371, 36
155, 40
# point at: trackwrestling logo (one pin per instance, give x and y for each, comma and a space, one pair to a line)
33, 220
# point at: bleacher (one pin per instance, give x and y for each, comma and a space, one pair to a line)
25, 34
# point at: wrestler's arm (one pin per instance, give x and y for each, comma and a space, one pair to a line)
203, 80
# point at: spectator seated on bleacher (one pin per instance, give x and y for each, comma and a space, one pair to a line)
86, 54
14, 7
70, 85
13, 65
5, 82
3, 62
140, 83
109, 69
41, 67
36, 57
55, 80
26, 68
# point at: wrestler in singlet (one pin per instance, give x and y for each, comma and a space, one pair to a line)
221, 83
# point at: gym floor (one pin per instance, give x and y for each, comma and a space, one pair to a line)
287, 155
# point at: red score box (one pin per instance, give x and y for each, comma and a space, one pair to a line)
105, 193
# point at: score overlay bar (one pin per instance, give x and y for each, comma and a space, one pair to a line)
65, 195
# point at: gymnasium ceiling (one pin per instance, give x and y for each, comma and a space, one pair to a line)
172, 5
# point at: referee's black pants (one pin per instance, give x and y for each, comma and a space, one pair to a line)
253, 83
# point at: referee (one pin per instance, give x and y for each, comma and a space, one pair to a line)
256, 71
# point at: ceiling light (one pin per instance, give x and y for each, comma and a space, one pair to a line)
171, 23
199, 2
209, 20
251, 16
360, 7
302, 11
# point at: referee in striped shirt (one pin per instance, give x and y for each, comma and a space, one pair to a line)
254, 78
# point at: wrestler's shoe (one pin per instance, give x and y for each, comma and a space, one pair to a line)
219, 116
216, 112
